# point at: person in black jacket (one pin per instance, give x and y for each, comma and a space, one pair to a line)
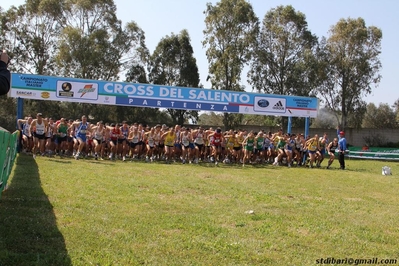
4, 73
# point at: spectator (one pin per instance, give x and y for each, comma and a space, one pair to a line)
341, 148
4, 73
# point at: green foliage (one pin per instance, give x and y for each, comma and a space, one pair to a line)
68, 212
382, 116
230, 35
232, 120
396, 110
151, 116
350, 65
258, 120
136, 74
92, 42
30, 36
173, 64
211, 119
7, 113
85, 39
325, 119
285, 61
80, 39
375, 140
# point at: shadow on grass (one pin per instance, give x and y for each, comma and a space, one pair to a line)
237, 166
60, 161
28, 229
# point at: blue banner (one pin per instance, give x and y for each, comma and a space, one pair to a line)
159, 96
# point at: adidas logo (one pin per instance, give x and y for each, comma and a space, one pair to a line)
278, 106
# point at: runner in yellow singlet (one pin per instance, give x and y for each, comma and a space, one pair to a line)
313, 146
169, 139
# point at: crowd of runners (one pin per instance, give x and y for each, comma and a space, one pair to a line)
194, 144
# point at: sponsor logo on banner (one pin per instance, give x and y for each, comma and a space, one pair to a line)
25, 93
86, 89
263, 103
77, 90
45, 95
269, 104
279, 106
66, 90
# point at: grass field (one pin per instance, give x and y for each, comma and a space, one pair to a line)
87, 212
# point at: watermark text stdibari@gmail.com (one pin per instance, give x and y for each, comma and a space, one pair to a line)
356, 261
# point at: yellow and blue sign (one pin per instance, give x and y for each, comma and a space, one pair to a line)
159, 96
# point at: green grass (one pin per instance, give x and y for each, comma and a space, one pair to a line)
67, 212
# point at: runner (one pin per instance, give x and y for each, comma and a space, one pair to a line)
199, 142
62, 132
98, 133
281, 141
260, 147
177, 151
141, 146
169, 138
331, 148
238, 147
191, 145
271, 153
27, 138
268, 149
290, 146
70, 138
230, 139
150, 139
135, 138
124, 146
208, 142
38, 129
323, 142
216, 138
248, 145
50, 137
115, 133
313, 146
298, 149
185, 139
157, 153
81, 129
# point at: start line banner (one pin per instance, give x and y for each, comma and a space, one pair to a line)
158, 96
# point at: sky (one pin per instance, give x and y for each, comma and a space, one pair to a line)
159, 18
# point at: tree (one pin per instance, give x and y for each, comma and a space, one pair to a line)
285, 61
173, 64
94, 45
259, 120
349, 64
73, 38
30, 33
210, 119
136, 74
380, 117
396, 109
325, 119
230, 35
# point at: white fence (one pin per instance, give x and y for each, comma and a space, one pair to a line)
374, 155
